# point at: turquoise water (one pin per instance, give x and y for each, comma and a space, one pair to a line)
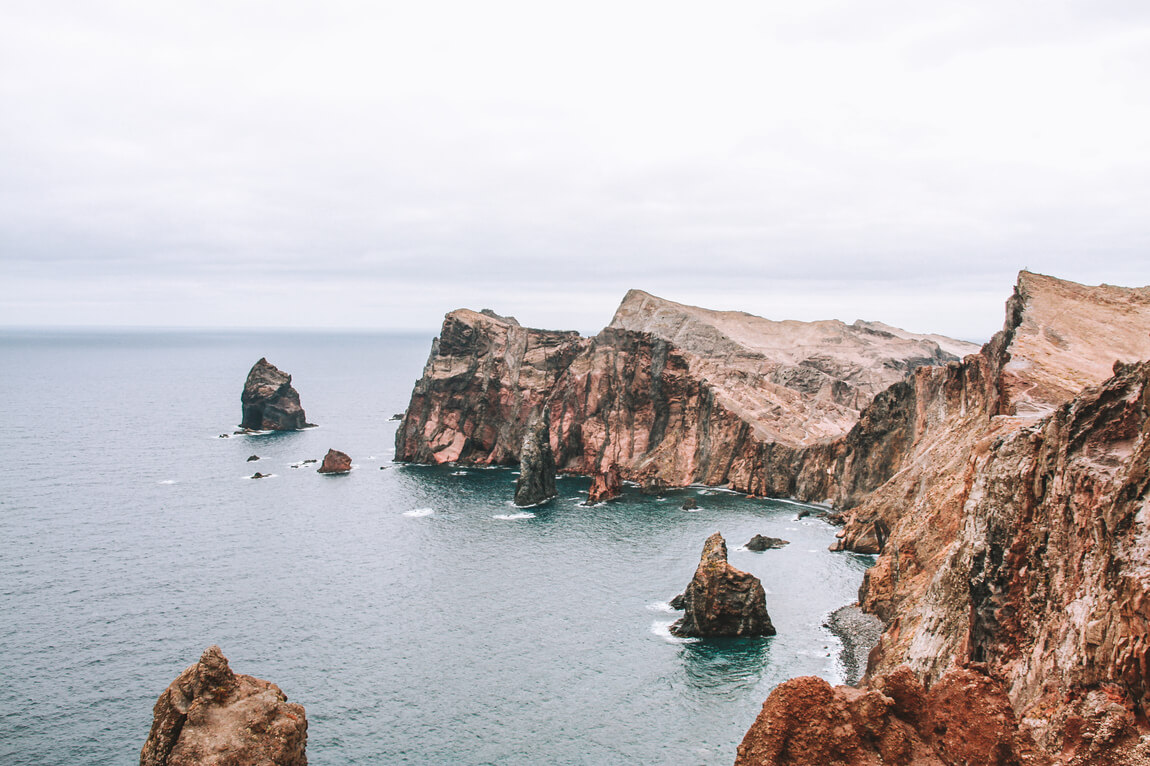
417, 615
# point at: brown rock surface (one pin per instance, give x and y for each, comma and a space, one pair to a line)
605, 485
335, 462
269, 402
721, 600
210, 716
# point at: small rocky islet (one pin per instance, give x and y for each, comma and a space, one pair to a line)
999, 488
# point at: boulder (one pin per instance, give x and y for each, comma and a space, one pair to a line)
211, 715
335, 462
269, 402
722, 600
759, 543
536, 483
690, 504
253, 458
605, 485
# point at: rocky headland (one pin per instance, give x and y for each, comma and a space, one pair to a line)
211, 715
721, 601
1003, 490
268, 401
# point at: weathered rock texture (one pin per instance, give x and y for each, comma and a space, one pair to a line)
335, 462
605, 485
761, 543
963, 720
669, 394
536, 482
269, 402
210, 716
1012, 524
721, 600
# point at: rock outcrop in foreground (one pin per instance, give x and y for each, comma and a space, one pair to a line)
335, 462
269, 402
210, 716
722, 601
536, 482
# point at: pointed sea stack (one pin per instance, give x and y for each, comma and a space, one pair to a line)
536, 483
269, 402
211, 715
605, 485
335, 462
722, 600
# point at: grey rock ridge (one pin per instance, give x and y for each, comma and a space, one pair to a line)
268, 401
536, 482
211, 716
722, 601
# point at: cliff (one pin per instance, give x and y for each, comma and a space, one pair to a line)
1012, 526
668, 393
211, 715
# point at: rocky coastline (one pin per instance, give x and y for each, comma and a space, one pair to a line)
1002, 489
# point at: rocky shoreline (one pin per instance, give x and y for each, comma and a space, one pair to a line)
859, 633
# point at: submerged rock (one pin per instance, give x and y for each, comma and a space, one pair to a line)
269, 402
759, 543
605, 485
690, 504
211, 715
536, 483
722, 600
334, 462
253, 458
258, 475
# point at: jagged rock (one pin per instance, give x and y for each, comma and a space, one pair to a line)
671, 394
722, 600
269, 402
210, 715
963, 720
334, 462
536, 482
690, 504
252, 458
759, 543
605, 485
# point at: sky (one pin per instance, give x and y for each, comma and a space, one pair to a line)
377, 164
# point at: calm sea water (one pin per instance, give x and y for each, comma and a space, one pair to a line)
414, 612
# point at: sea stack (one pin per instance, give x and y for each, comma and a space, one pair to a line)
335, 462
722, 600
269, 402
605, 485
210, 715
536, 483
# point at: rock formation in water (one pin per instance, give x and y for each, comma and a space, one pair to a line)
670, 394
760, 543
210, 715
605, 485
1011, 523
269, 402
536, 482
335, 462
721, 600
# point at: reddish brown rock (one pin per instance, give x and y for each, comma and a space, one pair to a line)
335, 462
605, 485
963, 720
721, 600
210, 716
269, 402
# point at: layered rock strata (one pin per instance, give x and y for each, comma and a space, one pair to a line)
668, 393
536, 482
268, 401
722, 601
211, 716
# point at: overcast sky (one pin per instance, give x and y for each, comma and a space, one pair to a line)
375, 164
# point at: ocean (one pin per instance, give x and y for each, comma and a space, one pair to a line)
415, 613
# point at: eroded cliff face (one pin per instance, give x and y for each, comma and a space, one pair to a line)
670, 394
